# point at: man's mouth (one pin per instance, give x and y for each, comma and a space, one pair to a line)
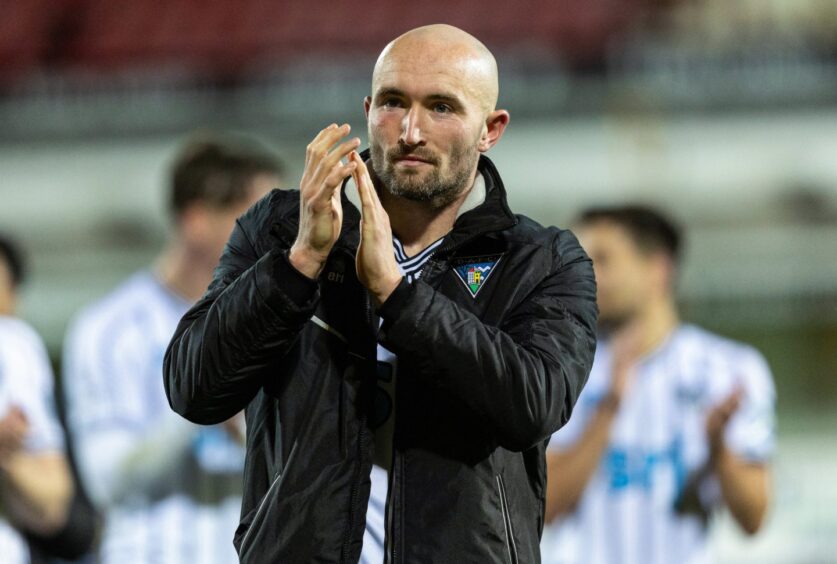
411, 160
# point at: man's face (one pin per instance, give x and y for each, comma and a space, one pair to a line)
425, 126
209, 228
8, 295
625, 275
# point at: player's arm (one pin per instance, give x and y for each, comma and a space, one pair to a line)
569, 469
570, 466
36, 490
523, 378
745, 485
117, 453
116, 463
35, 482
257, 305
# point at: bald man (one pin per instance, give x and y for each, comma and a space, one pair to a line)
402, 343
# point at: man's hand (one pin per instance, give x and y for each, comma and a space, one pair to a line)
376, 266
626, 350
719, 416
320, 210
745, 484
13, 429
234, 426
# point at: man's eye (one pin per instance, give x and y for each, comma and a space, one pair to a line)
391, 103
442, 108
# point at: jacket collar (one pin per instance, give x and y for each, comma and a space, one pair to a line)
490, 216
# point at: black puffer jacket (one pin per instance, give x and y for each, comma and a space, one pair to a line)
483, 381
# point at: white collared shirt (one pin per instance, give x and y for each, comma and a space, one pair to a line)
26, 382
138, 459
657, 442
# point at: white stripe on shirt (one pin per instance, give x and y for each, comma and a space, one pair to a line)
660, 433
374, 537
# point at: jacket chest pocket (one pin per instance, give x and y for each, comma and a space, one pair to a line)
485, 289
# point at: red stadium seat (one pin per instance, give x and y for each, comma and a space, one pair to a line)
27, 31
224, 39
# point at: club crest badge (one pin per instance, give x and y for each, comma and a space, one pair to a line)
475, 274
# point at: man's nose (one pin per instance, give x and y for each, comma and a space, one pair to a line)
412, 131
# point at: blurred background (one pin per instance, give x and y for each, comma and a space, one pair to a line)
721, 112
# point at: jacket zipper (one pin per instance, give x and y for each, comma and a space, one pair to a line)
263, 503
353, 496
507, 524
389, 542
390, 556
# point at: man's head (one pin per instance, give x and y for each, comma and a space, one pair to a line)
12, 272
431, 112
212, 183
635, 252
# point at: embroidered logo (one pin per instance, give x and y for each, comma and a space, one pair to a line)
475, 274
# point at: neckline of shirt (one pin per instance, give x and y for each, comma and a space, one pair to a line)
419, 258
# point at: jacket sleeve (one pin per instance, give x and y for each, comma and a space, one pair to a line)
524, 377
252, 312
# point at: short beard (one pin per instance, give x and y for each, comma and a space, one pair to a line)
434, 189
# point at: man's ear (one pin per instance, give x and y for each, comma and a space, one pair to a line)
367, 103
495, 125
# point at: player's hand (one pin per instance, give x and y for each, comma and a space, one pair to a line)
320, 210
235, 428
13, 429
719, 416
376, 266
626, 350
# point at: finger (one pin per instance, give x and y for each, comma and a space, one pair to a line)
367, 206
725, 411
19, 430
363, 173
16, 418
325, 140
366, 190
327, 177
336, 156
722, 421
324, 131
332, 182
327, 135
732, 408
331, 137
337, 194
733, 400
353, 157
316, 140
